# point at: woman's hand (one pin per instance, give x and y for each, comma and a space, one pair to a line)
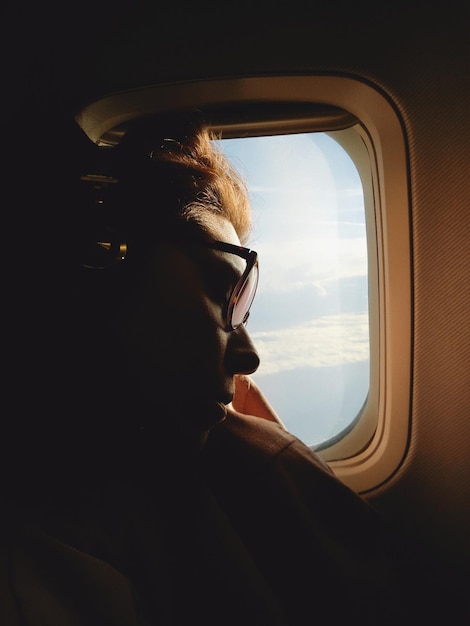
249, 399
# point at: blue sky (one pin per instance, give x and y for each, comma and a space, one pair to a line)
309, 320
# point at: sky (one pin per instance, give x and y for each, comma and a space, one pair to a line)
309, 320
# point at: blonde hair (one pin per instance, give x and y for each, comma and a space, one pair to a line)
225, 192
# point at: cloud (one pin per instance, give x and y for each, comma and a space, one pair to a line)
329, 340
319, 261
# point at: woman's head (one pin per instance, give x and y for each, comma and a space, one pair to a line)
174, 203
152, 327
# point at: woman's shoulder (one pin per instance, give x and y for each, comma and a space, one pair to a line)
254, 443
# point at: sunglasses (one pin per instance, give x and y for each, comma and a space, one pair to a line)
244, 292
111, 251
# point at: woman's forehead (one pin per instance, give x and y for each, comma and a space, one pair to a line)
218, 228
184, 254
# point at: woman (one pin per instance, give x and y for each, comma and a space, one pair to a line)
145, 494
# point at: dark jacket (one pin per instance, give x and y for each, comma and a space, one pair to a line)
254, 531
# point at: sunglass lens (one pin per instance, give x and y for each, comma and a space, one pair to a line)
245, 298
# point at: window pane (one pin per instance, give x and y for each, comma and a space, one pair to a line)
309, 320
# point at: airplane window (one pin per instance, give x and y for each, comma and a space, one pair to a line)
310, 319
327, 171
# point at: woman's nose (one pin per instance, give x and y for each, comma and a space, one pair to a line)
241, 356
